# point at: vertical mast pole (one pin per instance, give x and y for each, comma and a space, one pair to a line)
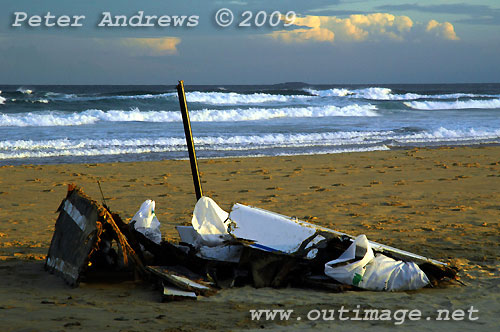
189, 140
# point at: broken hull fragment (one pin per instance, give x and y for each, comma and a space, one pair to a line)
271, 231
311, 247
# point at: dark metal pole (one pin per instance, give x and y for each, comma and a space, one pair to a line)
189, 140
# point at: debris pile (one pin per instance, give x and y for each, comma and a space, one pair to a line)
247, 246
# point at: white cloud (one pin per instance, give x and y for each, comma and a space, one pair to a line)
359, 28
443, 30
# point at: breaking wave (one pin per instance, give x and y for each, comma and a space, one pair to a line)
449, 135
233, 98
455, 105
24, 91
212, 98
253, 114
328, 142
2, 99
377, 93
74, 97
222, 97
367, 93
91, 147
125, 150
56, 118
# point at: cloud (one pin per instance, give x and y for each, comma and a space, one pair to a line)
303, 35
372, 26
443, 30
151, 46
314, 32
361, 27
357, 27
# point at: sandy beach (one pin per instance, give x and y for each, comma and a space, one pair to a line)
443, 203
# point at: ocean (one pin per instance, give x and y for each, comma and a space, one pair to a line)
90, 124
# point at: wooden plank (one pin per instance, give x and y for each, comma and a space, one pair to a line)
175, 294
181, 281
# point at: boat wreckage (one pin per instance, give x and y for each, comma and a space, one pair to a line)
245, 246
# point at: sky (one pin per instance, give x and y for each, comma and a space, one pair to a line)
328, 42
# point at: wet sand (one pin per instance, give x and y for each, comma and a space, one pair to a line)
442, 203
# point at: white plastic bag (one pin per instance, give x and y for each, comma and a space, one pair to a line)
374, 272
351, 274
385, 273
210, 222
146, 221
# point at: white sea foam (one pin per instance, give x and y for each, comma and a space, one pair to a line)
122, 150
24, 91
274, 139
213, 98
75, 97
233, 98
330, 92
145, 96
292, 112
383, 94
449, 135
40, 101
328, 151
91, 147
373, 93
80, 152
357, 138
45, 119
56, 118
377, 93
454, 105
2, 99
309, 143
58, 96
340, 150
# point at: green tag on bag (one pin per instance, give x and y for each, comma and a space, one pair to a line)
357, 279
